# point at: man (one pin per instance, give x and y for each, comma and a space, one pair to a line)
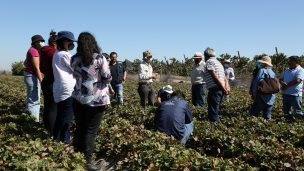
145, 77
175, 118
215, 83
164, 93
198, 84
291, 81
119, 75
229, 72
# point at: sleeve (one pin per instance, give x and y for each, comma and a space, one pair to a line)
232, 76
210, 66
104, 69
189, 114
256, 81
34, 52
66, 61
301, 74
143, 73
282, 76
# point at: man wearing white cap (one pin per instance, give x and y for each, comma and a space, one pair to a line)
198, 89
164, 93
229, 72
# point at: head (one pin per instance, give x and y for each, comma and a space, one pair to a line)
37, 42
293, 61
165, 92
147, 55
52, 38
227, 63
198, 57
208, 53
178, 94
113, 57
265, 61
65, 41
87, 46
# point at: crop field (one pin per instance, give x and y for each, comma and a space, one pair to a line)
126, 136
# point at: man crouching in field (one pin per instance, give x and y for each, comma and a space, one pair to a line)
174, 117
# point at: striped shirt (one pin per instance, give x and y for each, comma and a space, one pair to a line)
212, 64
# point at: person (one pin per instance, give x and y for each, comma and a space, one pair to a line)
119, 76
50, 107
164, 93
262, 102
63, 86
215, 83
174, 117
229, 72
33, 76
254, 74
198, 89
92, 74
145, 77
291, 81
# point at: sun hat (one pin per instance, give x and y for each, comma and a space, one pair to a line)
265, 60
37, 38
167, 89
227, 61
66, 34
198, 55
147, 54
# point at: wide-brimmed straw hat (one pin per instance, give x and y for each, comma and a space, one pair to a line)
197, 55
265, 60
227, 61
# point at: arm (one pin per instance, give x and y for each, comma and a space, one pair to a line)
189, 115
36, 64
125, 76
217, 81
255, 82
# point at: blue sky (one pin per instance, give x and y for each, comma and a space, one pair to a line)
166, 27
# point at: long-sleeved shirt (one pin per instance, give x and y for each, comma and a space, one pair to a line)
263, 73
92, 81
145, 71
64, 81
197, 73
172, 115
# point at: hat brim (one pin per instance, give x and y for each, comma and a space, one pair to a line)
66, 38
264, 62
197, 57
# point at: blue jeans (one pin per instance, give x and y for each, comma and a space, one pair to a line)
198, 94
118, 88
63, 120
292, 101
215, 97
33, 94
188, 130
258, 106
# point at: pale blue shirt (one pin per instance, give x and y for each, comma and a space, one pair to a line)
290, 74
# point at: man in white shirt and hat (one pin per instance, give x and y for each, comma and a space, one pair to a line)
198, 84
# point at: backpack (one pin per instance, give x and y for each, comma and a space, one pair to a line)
268, 85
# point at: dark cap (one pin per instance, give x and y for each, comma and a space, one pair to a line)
66, 34
37, 38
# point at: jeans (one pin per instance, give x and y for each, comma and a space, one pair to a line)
292, 101
198, 94
258, 106
188, 130
118, 88
33, 94
50, 107
63, 120
214, 98
87, 121
146, 93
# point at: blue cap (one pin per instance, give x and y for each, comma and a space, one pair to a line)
66, 34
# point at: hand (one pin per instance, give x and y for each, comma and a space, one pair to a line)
284, 85
154, 75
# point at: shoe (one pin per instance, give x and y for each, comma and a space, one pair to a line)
93, 167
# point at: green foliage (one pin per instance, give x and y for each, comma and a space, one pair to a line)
17, 68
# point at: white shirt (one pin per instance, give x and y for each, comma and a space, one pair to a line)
145, 71
64, 81
197, 73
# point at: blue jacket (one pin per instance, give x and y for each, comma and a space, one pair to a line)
171, 117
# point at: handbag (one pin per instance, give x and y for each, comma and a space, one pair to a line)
268, 85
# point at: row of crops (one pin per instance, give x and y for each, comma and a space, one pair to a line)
127, 136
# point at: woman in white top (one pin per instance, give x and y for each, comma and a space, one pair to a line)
63, 86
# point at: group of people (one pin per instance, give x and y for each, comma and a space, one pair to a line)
79, 87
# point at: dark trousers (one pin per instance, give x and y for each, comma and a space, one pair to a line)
215, 96
198, 94
63, 120
258, 106
50, 107
146, 93
87, 120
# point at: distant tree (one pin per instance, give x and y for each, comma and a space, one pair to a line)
279, 62
17, 68
223, 57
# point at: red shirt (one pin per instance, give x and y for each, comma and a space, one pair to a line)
31, 53
46, 59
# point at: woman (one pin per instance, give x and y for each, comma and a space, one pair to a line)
33, 76
63, 86
262, 102
93, 75
50, 107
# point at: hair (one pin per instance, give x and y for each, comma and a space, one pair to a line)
164, 96
52, 38
209, 52
113, 53
87, 46
295, 58
179, 94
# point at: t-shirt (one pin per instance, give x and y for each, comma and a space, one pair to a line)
291, 74
46, 58
31, 53
212, 64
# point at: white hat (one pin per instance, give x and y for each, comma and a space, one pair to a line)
198, 55
227, 61
167, 89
